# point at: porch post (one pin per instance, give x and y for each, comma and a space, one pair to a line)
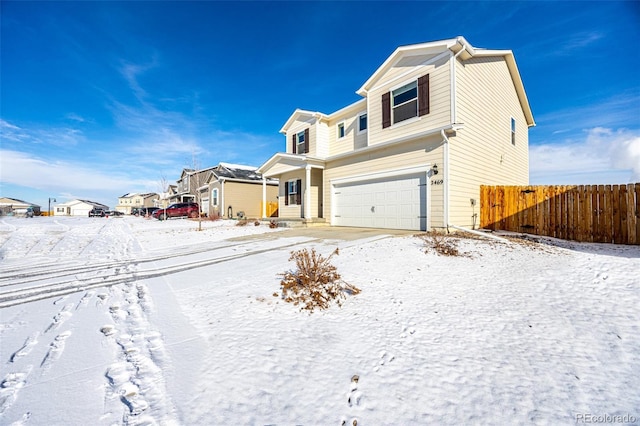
307, 193
264, 197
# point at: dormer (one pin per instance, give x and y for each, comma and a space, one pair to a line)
306, 133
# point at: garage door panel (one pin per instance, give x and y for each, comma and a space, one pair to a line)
394, 203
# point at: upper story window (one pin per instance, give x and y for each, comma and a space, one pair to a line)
340, 130
405, 102
362, 122
513, 131
300, 142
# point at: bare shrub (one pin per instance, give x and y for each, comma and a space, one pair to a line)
441, 243
315, 283
242, 222
273, 224
256, 223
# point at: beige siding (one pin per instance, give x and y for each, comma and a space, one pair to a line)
351, 140
412, 154
247, 197
290, 211
317, 136
482, 153
440, 104
316, 193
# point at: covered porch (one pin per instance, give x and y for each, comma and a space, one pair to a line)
300, 188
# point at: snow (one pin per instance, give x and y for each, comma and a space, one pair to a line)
136, 321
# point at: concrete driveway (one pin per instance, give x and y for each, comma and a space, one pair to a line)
343, 233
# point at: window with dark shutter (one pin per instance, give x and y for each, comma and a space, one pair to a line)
386, 110
306, 141
299, 193
294, 141
423, 95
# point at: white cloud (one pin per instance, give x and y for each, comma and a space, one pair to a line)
22, 169
604, 156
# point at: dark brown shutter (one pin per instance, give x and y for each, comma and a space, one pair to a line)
423, 95
306, 141
386, 110
286, 193
299, 192
294, 139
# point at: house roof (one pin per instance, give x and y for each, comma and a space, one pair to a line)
89, 202
6, 201
301, 114
238, 172
467, 51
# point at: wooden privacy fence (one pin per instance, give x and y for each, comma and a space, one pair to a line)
589, 213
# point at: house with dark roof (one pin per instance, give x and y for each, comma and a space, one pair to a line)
234, 190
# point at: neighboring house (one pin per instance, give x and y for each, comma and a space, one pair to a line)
76, 208
231, 188
187, 188
134, 200
14, 206
436, 121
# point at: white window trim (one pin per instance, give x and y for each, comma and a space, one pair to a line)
214, 197
417, 99
289, 193
359, 132
298, 143
344, 130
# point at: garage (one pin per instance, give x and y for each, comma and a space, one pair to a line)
398, 202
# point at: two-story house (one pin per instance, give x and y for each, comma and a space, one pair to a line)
436, 121
135, 200
189, 185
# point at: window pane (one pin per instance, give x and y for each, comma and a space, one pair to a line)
406, 111
405, 93
301, 137
340, 130
363, 122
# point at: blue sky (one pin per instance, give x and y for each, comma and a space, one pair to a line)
103, 98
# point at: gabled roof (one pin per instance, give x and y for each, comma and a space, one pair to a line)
455, 45
303, 115
237, 172
10, 201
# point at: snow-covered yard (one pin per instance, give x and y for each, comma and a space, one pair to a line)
134, 321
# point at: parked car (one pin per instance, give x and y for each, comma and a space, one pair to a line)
143, 211
30, 212
191, 210
113, 213
96, 212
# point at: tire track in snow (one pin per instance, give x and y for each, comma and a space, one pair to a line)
44, 291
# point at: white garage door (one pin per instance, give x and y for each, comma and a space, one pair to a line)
393, 203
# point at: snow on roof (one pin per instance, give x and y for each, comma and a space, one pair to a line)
238, 166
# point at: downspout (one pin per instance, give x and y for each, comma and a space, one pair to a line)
445, 139
445, 211
223, 208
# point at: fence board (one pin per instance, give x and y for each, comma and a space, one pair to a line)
592, 213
